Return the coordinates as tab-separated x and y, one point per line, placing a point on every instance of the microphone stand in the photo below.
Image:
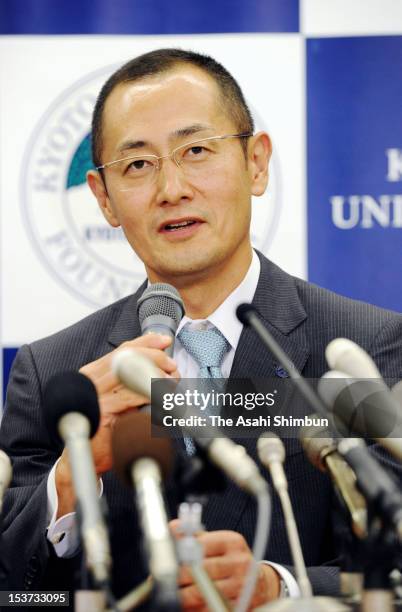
134	598
351	551
190	553
307	602
195	478
381	550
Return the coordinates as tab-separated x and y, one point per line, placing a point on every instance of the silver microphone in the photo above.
272	454
344	355
72	416
6	472
160	310
141	461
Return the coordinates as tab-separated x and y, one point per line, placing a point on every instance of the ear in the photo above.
259	154
98	188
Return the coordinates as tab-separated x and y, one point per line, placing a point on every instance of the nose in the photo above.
172	185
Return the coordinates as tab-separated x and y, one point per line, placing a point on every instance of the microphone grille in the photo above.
160	299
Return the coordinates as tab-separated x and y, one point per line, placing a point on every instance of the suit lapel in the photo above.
127	326
278	303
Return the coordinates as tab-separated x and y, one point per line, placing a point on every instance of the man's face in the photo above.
152	117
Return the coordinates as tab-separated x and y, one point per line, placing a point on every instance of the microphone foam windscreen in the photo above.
160	299
269	447
70	392
131	440
243	312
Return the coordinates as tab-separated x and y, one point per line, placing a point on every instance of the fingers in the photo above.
225	553
158	341
219	568
151	346
119	400
174	526
160	359
230	588
227	560
223	542
229	577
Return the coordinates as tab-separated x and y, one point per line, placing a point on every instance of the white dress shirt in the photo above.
63	532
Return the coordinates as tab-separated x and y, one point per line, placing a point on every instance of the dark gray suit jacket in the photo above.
302	317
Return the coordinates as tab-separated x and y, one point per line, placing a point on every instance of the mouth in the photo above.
180	226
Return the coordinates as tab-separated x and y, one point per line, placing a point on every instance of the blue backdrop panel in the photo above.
147	16
8	358
354	117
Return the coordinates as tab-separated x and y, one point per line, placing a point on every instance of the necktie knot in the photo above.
207	347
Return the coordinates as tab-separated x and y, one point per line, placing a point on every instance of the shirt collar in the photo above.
224	317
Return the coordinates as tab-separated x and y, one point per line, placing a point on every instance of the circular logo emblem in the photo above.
69	233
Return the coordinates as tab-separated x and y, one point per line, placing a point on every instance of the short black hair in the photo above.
163	60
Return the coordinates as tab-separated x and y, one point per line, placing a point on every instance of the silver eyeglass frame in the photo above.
171	155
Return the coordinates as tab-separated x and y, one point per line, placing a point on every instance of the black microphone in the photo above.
249	316
72	416
160	310
143	461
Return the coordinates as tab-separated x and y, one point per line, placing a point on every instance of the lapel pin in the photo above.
281	372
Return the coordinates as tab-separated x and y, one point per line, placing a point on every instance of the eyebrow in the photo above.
190	130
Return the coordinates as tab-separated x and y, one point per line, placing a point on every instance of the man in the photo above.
177	163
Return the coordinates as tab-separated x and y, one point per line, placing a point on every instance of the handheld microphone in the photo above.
6	472
72	416
160	310
136	372
143	461
272	454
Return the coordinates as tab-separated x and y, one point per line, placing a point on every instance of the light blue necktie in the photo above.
208	348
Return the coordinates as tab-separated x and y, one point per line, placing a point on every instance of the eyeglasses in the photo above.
196	159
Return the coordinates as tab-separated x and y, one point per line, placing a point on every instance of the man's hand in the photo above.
227	559
114	399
